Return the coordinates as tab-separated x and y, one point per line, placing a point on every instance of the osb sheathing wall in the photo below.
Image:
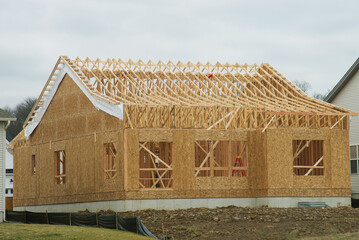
270	162
280	177
73	124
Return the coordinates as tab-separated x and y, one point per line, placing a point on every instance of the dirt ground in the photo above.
250	223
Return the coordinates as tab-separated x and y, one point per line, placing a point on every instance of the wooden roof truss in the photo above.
203	96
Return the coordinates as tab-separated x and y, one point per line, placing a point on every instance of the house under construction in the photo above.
133	135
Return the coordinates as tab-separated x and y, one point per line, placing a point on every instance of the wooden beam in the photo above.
316	164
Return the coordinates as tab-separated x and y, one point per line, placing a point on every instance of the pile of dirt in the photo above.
249	223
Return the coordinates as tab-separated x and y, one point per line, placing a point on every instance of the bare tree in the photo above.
21	111
321	96
303	85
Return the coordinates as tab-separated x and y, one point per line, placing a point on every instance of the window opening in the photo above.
155	164
308	157
221	158
354	159
202	158
109	161
60	159
33	165
239	159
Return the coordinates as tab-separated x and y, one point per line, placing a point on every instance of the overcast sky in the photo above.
314	41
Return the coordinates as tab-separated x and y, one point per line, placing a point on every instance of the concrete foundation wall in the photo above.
172	204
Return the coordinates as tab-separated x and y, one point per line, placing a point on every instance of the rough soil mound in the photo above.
250	223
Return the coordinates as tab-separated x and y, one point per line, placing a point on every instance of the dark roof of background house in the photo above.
9	136
345	79
5	116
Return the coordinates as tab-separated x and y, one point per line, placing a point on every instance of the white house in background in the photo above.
9	174
5	119
346	94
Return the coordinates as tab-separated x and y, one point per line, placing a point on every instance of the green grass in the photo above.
59	232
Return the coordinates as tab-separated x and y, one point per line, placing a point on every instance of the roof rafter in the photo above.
146	86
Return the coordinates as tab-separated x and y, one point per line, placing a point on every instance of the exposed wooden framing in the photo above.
337	122
109	161
315	165
270	121
204	165
33	164
60	167
305	152
296	154
218	158
182	95
222	119
154	155
155	165
128	117
44	91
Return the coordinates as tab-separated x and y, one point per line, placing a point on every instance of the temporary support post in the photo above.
316	164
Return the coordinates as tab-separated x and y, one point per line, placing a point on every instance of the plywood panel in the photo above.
49	130
309	182
18	158
257	160
111	122
24	174
310	134
95	122
85	104
155	135
340	172
239	135
45	170
36	136
309	192
132	153
183	159
202	135
63	128
85	156
279	158
327	157
221	135
56	107
78	125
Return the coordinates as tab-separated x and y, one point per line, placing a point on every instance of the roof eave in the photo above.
343	81
7	119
